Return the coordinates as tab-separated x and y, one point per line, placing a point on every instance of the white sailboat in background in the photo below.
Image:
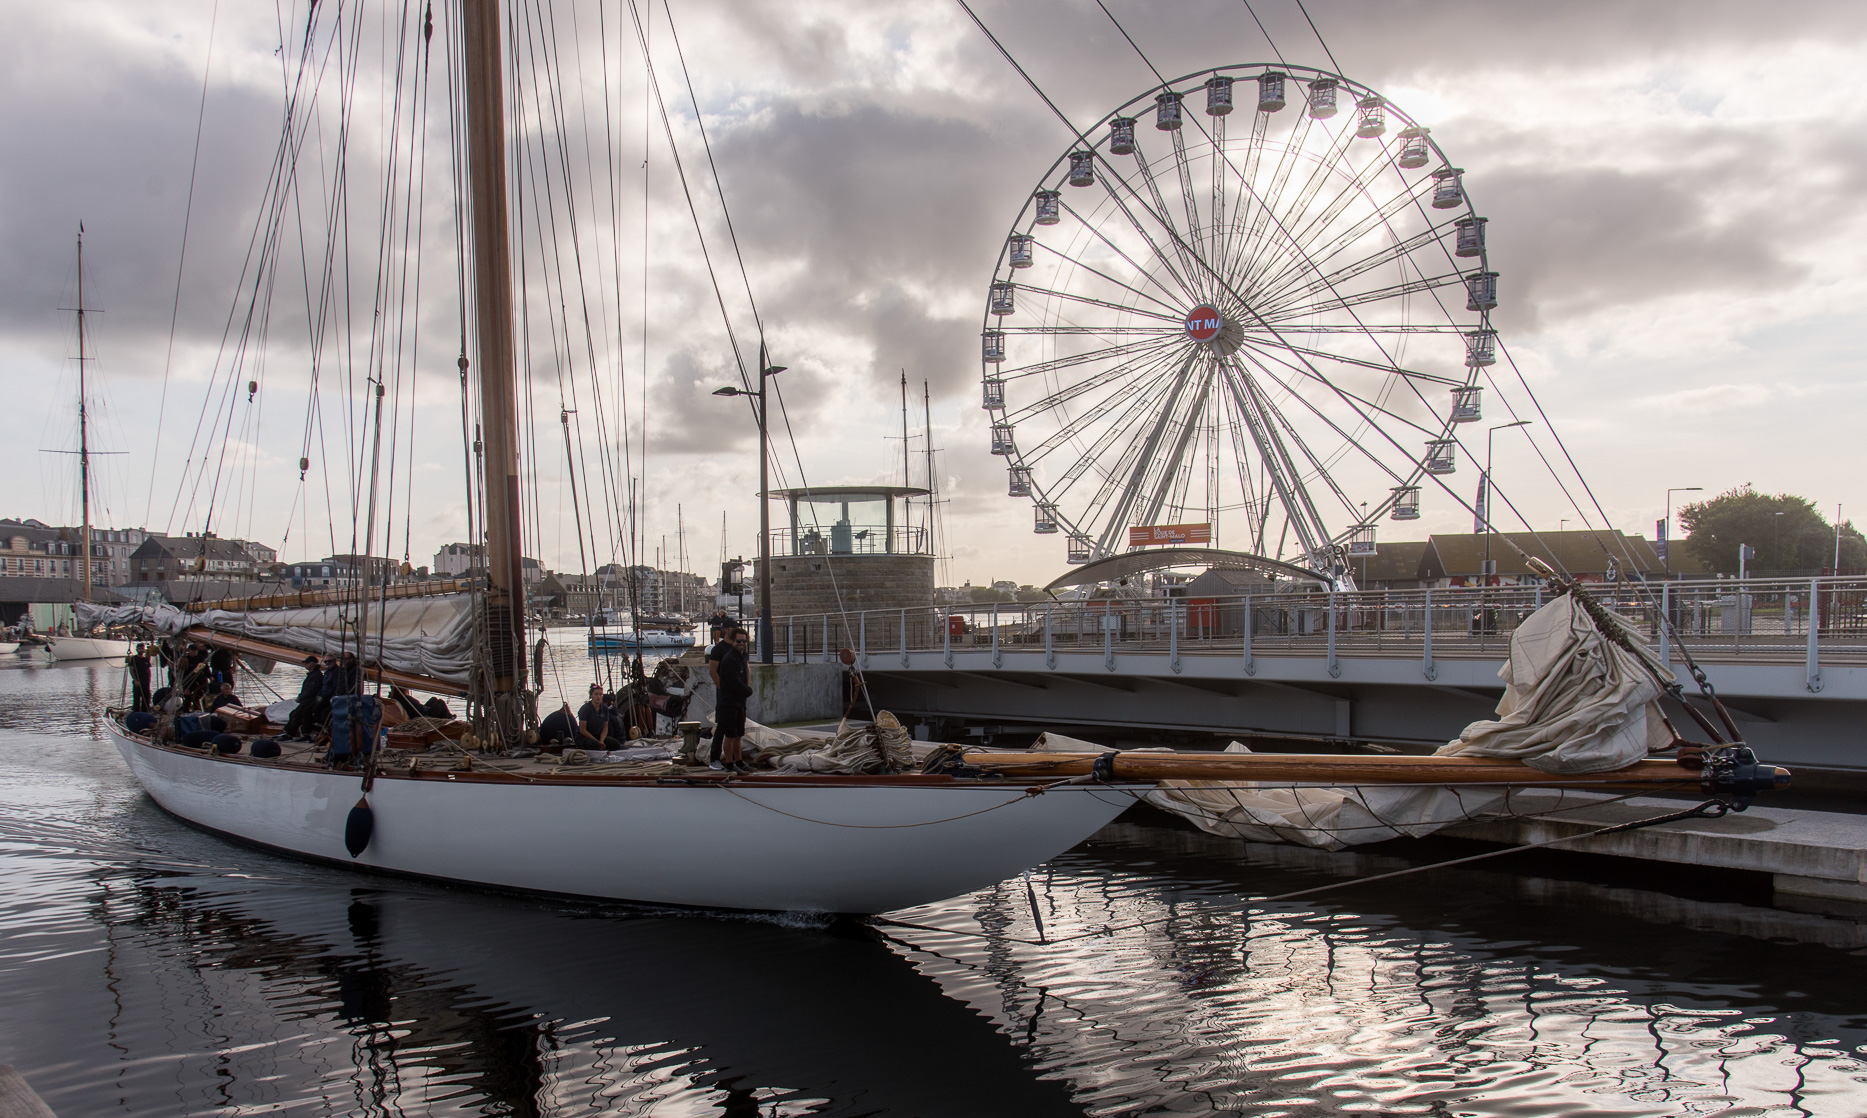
93	646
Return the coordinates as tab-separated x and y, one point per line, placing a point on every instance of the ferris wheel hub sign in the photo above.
1204	322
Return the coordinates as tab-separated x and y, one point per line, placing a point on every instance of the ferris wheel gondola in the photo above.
1275	332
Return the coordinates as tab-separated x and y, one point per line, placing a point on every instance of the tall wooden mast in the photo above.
84	437
492	308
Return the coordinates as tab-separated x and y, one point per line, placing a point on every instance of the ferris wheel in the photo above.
1273	334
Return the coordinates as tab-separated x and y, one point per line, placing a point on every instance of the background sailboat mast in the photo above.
84	436
492	305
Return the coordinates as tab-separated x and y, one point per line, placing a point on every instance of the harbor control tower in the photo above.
845	549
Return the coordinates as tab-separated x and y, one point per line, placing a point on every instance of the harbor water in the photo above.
147	968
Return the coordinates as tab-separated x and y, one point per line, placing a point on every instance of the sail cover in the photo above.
1574	702
429	636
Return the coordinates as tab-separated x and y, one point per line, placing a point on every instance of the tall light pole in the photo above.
764	501
1666	525
1484	491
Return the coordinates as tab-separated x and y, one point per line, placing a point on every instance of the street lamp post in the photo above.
1666	555
764	500
1484	490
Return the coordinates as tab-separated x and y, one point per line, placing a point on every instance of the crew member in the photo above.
299	724
735	688
138	663
594	718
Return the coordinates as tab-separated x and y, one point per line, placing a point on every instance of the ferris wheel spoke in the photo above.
1318	468
1173	308
1286	284
1281	470
1071	427
1354	400
1141	458
1374	328
1297	309
1284	342
1244	197
1268	201
1070	392
1175	244
1188	198
1303	237
1288	222
1216	207
1173	296
1160	212
1155	331
1415	466
1315	256
1255	489
1088	356
1090	300
1170	466
1265	362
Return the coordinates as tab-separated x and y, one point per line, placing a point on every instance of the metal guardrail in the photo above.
850	539
1813	620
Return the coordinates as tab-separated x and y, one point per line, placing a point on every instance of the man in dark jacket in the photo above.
735	688
138	663
300	723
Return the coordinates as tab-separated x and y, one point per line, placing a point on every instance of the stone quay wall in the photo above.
803	585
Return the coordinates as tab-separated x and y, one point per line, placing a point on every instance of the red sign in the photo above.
1203	323
1154	535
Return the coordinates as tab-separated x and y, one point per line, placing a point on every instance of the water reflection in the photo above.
379	998
1466	996
147	968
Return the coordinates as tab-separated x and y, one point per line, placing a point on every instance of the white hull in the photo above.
825	846
88	648
8	646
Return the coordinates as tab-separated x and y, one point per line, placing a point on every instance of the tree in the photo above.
1788	533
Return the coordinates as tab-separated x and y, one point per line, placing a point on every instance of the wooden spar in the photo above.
252	646
492	309
1324	768
304	599
84	435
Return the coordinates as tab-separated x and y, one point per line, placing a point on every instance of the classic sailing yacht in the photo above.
84	647
898	833
837	843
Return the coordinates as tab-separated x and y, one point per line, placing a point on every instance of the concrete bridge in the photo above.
1406	667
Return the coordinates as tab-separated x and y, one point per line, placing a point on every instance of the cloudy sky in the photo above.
1675	194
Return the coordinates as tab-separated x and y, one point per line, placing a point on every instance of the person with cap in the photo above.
298	726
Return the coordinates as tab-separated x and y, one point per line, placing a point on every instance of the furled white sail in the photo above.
1574	702
428	636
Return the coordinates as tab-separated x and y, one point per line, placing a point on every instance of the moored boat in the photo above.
829	843
86	648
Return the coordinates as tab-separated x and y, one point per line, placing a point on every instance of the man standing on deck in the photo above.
722	644
735	688
138	663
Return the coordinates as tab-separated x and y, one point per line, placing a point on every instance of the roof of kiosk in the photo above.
845	492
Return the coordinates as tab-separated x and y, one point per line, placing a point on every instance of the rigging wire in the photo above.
1333	64
181	261
1267	35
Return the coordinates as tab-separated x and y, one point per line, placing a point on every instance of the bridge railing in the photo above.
1723	619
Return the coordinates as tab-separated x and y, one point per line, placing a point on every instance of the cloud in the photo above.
1665	203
